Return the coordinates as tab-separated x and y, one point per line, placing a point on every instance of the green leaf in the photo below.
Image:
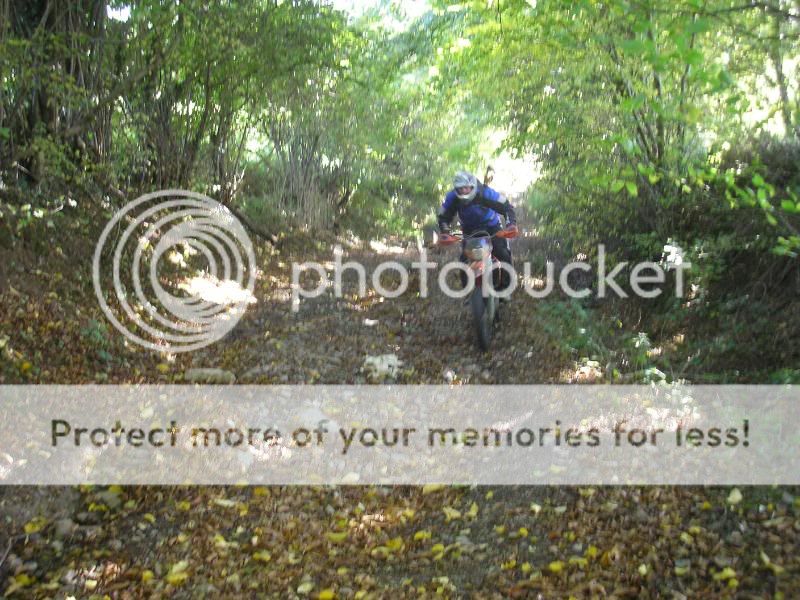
789	206
617	185
698	26
632	104
633	191
693	57
634	47
724	79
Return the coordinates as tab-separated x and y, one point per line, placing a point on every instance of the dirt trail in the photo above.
327	339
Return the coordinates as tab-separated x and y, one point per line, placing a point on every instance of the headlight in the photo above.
478	253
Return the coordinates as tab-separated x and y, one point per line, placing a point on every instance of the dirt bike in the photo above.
485	306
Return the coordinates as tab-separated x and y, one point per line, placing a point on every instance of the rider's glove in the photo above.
511	231
445	239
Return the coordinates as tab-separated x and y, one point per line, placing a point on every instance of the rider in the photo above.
479	208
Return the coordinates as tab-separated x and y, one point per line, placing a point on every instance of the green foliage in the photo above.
95	335
573	325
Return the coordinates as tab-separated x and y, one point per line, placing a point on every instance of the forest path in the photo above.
359	541
326	339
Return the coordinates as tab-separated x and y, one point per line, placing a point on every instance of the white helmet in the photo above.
464	179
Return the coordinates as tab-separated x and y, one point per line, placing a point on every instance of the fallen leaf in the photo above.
735	496
395	544
682	567
422	534
177	574
579	561
336	537
17	583
451	513
35	525
305	588
726	573
507	566
556	567
776	569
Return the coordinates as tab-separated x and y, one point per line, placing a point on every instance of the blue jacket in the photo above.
483	212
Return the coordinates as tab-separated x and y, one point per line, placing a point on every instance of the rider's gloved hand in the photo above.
511	231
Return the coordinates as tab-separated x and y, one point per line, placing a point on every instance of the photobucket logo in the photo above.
199	308
646	279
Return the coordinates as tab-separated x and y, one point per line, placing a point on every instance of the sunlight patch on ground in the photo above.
588	372
211	289
537	283
383	365
383	248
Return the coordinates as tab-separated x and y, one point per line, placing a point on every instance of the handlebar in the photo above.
446	239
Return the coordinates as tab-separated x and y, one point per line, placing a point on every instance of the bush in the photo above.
730	215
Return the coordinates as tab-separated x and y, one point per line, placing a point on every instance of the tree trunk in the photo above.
776	55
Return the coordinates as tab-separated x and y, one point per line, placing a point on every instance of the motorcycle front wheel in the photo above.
482	314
